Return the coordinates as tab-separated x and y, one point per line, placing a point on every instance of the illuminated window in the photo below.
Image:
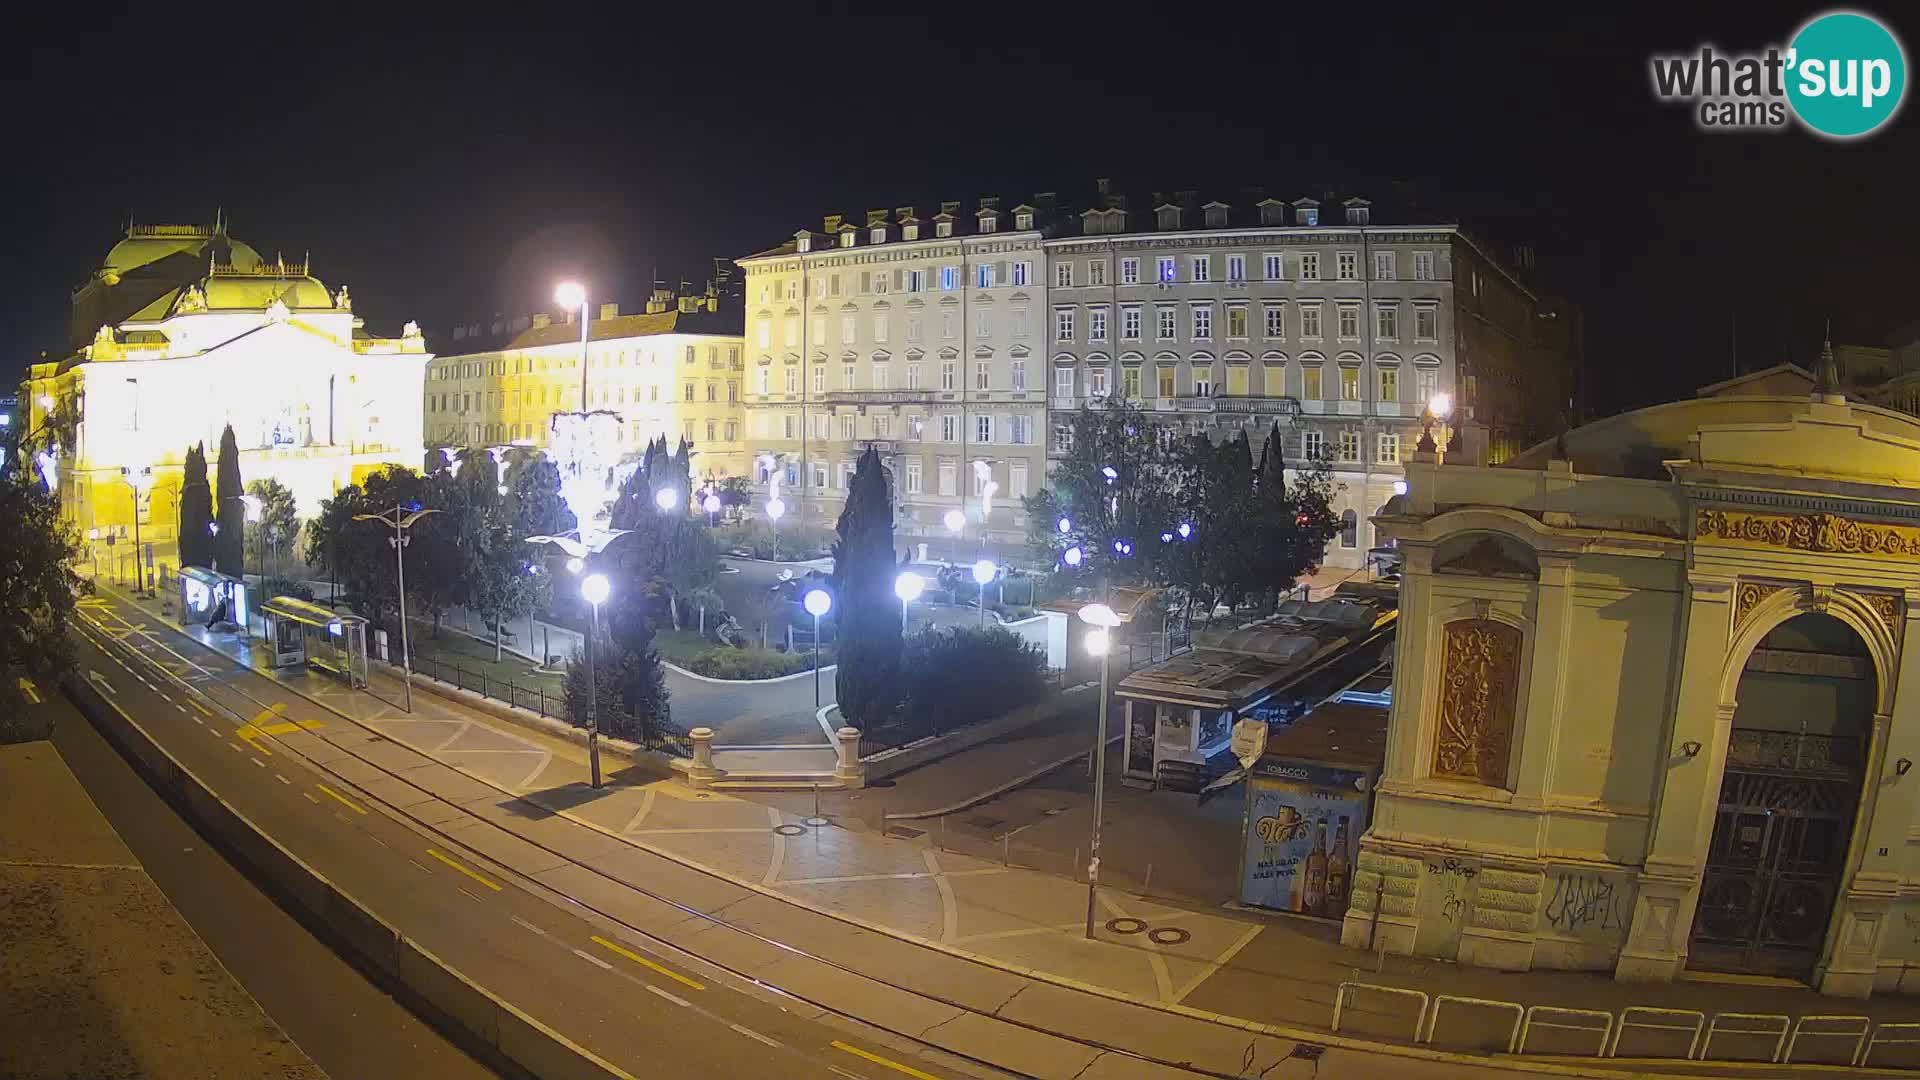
1349	446
1168	272
1203	382
983	276
949	278
1236	268
1130	383
1310	383
1020	270
1237	321
1350	386
1389	384
1097	381
1163	378
1387	448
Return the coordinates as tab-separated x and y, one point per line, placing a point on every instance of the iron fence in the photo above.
659	735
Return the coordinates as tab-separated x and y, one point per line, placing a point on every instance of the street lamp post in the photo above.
817	602
572	294
402	519
983	572
93	549
140	481
908	587
594	589
775	508
1099	643
956	521
711	504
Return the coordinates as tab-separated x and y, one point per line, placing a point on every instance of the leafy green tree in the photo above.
961	674
196	510
229	555
534	504
867	613
693	564
1131	508
628	689
37	583
279	518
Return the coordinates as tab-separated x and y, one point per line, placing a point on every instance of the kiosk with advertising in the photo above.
1309	797
208	597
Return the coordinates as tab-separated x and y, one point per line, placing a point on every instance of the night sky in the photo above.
449	171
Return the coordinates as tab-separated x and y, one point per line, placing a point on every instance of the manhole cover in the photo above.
903	832
1126	925
789	830
1168	935
816	822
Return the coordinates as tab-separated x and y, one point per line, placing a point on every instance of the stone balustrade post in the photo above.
848	768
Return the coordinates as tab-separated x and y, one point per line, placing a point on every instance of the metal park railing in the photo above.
536	698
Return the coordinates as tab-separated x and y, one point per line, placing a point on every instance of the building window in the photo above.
916	281
733	390
983	324
1309	266
793	380
1165	328
763	332
1020	430
1163	381
983	276
847	429
848	377
1097	382
1271	267
1097	324
1308	215
949	478
913	329
1310	383
1062	439
1237	321
733	431
949	278
1347	266
1203	382
1426	323
1387	448
949	427
1202	322
1063	324
1423	266
1130	323
1168	272
913	376
1349	447
1063	274
948	323
1202	267
792	337
1017	478
983	428
713	392
1096	272
1349	525
712	426
1349	315
1017	375
982	375
1389	384
1313	446
1063	382
1020	270
1129	271
1386	322
1130	383
1383	266
880	376
881	328
948	376
1276	324
1310	321
913	476
1425	385
689	394
1236	268
819	378
1350	384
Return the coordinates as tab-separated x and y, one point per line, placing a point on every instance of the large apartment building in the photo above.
919	336
958	343
674	369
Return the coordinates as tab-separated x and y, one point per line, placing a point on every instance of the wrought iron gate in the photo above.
1778	852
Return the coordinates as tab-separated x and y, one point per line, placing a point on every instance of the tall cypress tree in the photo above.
196	510
866	611
229	545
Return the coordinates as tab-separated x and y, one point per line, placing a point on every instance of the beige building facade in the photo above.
1651	699
674	370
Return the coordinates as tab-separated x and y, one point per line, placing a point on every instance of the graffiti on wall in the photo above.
1581	903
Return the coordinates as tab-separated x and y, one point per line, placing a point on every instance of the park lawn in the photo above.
474	656
681	646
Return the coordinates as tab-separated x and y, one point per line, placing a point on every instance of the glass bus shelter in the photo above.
299	632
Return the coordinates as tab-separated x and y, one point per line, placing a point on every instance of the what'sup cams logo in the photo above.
1843	76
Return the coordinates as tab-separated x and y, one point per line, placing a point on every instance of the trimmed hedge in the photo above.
724	663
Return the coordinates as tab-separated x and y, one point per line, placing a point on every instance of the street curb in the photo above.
745	682
493	1027
1018	781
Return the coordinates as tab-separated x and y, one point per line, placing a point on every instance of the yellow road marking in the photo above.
203	709
250	733
32	691
463	870
341	799
644	962
878	1060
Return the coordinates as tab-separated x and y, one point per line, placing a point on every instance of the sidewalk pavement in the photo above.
1224	965
102	977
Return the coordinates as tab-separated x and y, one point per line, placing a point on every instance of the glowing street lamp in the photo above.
666	499
594	589
983	572
817	602
775	509
141	480
1065	525
1099	643
571	295
908	587
1073	556
1439	408
711	504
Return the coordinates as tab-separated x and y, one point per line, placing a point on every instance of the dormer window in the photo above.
1023	221
1359	211
1167	217
943	228
803	243
1273	213
989	223
846	239
878	236
1216	216
1309	215
909	232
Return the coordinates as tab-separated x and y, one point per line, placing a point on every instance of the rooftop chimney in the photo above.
609	311
832	223
542	320
1103	185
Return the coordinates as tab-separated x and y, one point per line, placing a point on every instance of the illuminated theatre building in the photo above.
183	330
1654	710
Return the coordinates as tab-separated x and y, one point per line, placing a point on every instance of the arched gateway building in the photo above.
1654	706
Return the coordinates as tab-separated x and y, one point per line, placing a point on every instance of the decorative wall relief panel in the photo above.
1479	683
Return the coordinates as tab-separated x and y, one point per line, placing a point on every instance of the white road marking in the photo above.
309	797
421	866
379	841
342	817
260	763
237	748
754	1035
527	925
469	895
596	961
283	779
652	989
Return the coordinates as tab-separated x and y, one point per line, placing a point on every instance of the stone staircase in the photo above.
774	767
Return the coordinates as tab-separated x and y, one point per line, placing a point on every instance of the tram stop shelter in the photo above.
208	597
302	633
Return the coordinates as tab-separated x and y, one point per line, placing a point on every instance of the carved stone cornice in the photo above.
1819	533
1748	596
